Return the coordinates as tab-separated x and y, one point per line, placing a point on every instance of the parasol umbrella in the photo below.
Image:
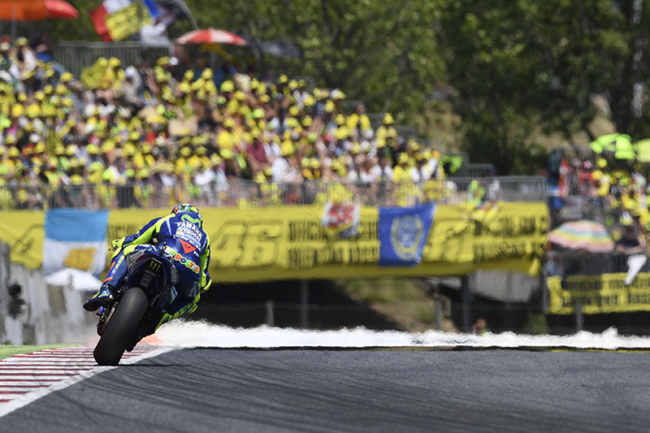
36	10
618	145
583	235
211	36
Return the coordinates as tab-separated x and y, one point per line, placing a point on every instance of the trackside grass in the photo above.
6	350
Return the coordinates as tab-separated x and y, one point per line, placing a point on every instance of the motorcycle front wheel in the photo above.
121	327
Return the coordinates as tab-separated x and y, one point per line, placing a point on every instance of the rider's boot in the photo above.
106	294
103	298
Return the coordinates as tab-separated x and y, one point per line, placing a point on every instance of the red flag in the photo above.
98	17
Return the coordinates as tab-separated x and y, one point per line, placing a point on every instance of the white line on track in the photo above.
39	374
26	378
16	388
42	370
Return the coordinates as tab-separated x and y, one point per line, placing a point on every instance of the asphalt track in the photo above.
221	390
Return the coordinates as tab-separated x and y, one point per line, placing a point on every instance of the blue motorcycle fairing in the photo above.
151	271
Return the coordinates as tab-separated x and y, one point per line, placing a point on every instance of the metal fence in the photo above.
244	194
77	55
570	262
479	170
376	119
503	286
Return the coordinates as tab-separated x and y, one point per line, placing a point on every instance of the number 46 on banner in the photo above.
252	244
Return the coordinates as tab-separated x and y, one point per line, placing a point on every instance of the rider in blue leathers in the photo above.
187	247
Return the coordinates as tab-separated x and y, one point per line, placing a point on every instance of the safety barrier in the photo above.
243	194
35	312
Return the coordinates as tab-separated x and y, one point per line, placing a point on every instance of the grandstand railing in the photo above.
596	209
571	262
77	55
244	194
479	170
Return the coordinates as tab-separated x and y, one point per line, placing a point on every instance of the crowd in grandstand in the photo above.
617	193
185	130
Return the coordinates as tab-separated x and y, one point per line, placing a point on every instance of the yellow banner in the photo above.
599	294
24	231
127	21
250	245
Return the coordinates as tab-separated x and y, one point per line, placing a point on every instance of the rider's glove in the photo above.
117	244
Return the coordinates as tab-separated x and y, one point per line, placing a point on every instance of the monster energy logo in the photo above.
154	265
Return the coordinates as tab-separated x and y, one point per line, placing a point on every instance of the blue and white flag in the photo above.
403	233
75	239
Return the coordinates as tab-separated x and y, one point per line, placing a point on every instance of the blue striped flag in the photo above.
75	239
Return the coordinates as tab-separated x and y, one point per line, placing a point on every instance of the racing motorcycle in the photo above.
139	299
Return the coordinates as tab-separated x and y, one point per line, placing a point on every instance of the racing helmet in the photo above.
189	213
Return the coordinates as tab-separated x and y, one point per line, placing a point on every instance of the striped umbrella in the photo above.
582	235
211	36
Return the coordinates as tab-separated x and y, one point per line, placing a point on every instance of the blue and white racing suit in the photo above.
187	247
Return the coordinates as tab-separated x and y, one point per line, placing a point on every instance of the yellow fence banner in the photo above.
249	245
24	232
597	294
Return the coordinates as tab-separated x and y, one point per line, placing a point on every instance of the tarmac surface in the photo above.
324	390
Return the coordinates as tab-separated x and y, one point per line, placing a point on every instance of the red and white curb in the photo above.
28	377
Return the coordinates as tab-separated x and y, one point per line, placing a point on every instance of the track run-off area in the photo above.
196	377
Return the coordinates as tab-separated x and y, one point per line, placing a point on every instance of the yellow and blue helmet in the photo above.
192	212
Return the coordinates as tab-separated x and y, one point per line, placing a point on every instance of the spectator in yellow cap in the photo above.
226	138
401	173
25	57
66	77
358	121
386	130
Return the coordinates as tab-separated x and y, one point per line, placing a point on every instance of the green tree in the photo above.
380	52
80	29
521	64
489	63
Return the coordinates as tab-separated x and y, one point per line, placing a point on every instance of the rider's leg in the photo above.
104	296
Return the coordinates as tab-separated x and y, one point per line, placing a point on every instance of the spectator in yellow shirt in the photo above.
226	139
359	120
402	172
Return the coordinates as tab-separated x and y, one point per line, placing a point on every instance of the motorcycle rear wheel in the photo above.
121	328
